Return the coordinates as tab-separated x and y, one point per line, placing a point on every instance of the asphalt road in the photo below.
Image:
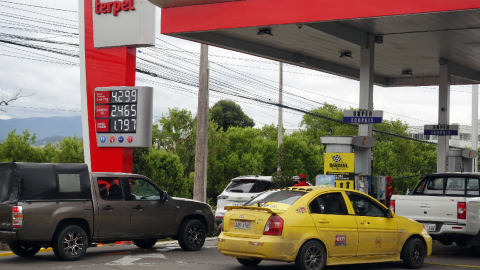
170	256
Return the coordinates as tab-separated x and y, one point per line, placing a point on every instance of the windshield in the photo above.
281	199
248	186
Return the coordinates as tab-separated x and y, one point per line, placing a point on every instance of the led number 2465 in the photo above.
118	110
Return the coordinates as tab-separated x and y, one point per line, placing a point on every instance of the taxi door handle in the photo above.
363	222
323	221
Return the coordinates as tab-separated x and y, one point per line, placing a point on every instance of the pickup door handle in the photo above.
323	221
108	208
138	207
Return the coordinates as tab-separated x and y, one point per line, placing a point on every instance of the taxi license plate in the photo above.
243	225
430	227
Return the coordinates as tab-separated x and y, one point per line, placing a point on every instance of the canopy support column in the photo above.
363	157
443	115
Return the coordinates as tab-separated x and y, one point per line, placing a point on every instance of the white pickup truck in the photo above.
448	206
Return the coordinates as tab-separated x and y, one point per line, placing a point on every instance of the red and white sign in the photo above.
102	97
102	125
114	6
102	111
112	139
123	23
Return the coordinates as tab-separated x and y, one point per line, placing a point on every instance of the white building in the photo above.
464	138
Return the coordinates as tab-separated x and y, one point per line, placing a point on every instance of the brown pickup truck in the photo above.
65	207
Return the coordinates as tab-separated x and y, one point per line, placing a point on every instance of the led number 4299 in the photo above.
121	96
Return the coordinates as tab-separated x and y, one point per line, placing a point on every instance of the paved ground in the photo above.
170	256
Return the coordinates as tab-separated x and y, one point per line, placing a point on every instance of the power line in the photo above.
39	6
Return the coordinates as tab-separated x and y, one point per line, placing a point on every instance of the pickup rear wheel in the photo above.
413	253
145	243
24	249
70	243
191	235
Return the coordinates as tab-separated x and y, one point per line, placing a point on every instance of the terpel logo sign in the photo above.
114	6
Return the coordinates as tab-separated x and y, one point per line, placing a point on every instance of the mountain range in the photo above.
44	127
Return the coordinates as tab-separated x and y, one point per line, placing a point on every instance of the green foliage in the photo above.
227	113
165	169
18	148
70	150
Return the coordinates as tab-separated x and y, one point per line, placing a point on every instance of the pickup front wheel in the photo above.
191	235
70	243
25	249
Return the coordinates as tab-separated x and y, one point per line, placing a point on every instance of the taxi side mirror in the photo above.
389	213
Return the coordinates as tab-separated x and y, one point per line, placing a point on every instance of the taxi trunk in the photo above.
255	233
245	223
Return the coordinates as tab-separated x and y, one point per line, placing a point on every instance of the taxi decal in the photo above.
340	239
378	242
301	210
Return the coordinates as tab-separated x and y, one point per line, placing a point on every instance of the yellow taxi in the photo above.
318	226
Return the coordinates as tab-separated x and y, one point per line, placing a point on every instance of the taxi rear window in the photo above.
281	199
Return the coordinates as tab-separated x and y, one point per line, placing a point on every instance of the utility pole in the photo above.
280	109
201	148
475	125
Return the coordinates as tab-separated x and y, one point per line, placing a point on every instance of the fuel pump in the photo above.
361	183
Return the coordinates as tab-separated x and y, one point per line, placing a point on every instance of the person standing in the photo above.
302	181
389	190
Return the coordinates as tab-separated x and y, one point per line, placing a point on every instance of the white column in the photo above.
443	115
363	156
83	85
475	125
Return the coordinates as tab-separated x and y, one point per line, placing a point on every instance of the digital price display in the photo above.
123	116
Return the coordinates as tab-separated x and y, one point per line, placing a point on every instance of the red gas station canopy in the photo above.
313	34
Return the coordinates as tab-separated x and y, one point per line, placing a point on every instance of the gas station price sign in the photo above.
123	116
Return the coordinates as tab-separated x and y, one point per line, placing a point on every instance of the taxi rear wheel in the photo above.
248	262
413	253
311	256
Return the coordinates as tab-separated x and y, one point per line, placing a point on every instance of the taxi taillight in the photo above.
392	205
17	217
274	226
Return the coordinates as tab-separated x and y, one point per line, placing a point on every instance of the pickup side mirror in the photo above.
163	196
389	213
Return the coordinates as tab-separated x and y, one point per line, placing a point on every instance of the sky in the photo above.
53	89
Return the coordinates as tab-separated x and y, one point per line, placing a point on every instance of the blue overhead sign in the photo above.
363	117
441	130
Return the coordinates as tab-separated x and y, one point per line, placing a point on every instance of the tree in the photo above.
165	169
6	99
227	113
71	150
18	148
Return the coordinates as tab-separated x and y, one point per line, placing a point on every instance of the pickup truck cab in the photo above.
448	206
65	207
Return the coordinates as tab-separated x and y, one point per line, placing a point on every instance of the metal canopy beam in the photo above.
278	55
461	71
343	32
424	81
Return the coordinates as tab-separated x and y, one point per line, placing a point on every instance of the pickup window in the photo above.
448	185
110	188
